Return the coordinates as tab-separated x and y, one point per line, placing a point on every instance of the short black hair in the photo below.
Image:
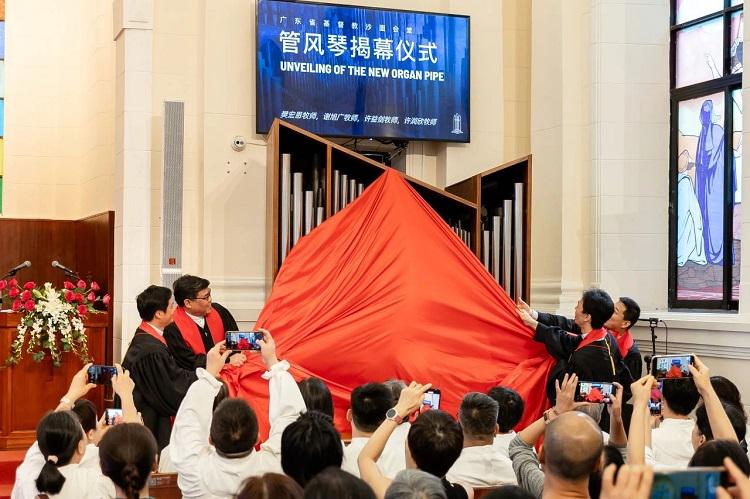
478	415
316	395
396	386
736	417
370	402
270	486
86	412
187	287
728	392
127	454
310	445
509	492
510	407
632	311
151	300
680	394
234	428
334	482
598	304
713	452
435	441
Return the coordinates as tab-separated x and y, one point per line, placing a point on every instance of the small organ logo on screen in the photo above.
457	124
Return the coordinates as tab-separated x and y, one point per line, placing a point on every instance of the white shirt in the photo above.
390	462
165	462
201	321
671	443
83	480
482	466
201	472
502	440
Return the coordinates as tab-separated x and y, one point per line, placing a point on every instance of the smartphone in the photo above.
595	392
699	483
243	340
112	416
102	375
432	398
672	366
654	402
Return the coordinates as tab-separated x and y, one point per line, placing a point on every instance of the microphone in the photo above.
66	270
18	267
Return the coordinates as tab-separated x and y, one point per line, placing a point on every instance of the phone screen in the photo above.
671	366
432	398
654	402
595	392
112	416
243	340
699	483
102	375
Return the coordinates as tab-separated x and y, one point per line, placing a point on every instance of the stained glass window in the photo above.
706	154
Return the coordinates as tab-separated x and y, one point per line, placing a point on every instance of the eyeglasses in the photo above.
207	297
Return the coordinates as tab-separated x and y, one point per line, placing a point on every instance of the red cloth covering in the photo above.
594	335
192	334
384	289
149	329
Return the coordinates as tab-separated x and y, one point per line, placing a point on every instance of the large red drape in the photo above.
385	289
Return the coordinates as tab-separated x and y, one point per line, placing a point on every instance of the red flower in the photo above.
3	285
81	284
91	296
29	305
16	305
106	299
13	292
13	283
82	309
68	285
69	296
95	286
26	295
29	285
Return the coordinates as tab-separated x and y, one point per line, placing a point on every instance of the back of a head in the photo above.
86	412
599	305
712	453
594	411
58	435
270	486
187	287
221	395
234	428
572	446
510	407
395	386
370	402
151	300
435	441
727	391
316	395
509	492
632	311
736	417
310	445
415	484
478	415
127	454
334	482
681	395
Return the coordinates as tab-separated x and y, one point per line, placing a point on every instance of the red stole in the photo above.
594	335
625	342
149	329
192	335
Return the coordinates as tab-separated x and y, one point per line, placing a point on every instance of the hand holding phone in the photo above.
654	403
101	375
594	392
243	340
112	416
432	399
672	366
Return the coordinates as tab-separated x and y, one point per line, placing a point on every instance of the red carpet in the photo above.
9	461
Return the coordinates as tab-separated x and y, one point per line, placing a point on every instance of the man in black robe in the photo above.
160	384
581	346
198	324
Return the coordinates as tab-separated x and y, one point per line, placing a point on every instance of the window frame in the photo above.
726	84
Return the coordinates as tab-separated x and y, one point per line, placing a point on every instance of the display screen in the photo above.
595	392
362	72
666	367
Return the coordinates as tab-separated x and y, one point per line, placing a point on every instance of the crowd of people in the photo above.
177	417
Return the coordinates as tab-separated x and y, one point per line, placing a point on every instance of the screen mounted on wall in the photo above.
347	71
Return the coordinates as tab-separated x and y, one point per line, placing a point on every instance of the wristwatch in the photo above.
392	415
68	402
550	415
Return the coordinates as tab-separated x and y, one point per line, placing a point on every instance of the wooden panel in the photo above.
163	486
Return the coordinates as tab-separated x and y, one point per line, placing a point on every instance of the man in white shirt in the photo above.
671	441
480	463
213	452
510	408
369	403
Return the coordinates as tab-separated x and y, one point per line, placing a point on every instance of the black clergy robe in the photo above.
160	384
184	355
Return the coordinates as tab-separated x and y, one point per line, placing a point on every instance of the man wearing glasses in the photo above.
198	324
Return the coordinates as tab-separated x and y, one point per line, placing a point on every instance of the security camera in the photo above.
238	143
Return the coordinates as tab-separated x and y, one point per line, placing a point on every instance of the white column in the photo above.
133	34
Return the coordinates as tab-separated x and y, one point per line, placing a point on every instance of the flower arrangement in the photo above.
53	318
